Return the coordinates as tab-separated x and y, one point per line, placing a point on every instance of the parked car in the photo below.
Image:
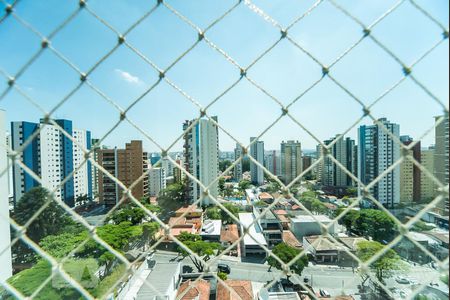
306	280
324	294
402	280
223	268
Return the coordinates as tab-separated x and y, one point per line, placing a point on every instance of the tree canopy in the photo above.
52	220
286	254
202	248
383	266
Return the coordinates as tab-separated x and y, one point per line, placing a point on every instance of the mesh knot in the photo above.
120	39
284	111
244	151
445	35
243	72
83	77
44	43
325	71
366	32
366	111
123	115
406	70
11	81
162	74
164	154
8	9
202	113
82	3
283	33
201	36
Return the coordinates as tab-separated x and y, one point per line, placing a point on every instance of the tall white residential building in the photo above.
238	167
291	160
427	185
157	181
5	234
376	153
201	146
343	150
53	157
257	152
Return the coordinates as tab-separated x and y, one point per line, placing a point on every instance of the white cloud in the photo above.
128	77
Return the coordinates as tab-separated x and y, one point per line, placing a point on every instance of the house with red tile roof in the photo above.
190	290
235	290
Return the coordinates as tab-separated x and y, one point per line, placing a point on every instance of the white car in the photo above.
402	280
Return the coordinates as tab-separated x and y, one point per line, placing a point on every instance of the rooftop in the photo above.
229	233
211	227
199	291
254	236
265	196
242	288
158	281
320	243
352	242
290	239
442	237
310	219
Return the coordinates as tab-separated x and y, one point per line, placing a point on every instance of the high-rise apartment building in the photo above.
257	152
441	157
343	150
409	173
376	153
427	185
157	181
238	167
272	162
178	175
291	160
94	171
5	234
128	166
201	152
52	156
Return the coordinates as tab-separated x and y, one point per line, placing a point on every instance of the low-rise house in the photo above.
211	230
228	236
252	241
161	282
270	224
283	217
325	251
266	197
290	239
306	225
194	290
408	250
191	211
235	290
440	250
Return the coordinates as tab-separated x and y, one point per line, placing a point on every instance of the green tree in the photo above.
221	185
222	275
203	249
213	213
348	220
52	220
233	209
286	254
383	266
244	184
224	164
376	224
318	207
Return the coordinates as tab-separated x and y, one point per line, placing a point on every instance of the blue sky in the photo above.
285	72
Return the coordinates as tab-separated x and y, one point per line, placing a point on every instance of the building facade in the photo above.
343	150
52	156
377	151
238	167
5	234
441	157
128	166
201	152
257	152
291	160
157	181
427	185
272	162
409	173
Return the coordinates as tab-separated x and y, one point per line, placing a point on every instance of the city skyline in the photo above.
285	73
